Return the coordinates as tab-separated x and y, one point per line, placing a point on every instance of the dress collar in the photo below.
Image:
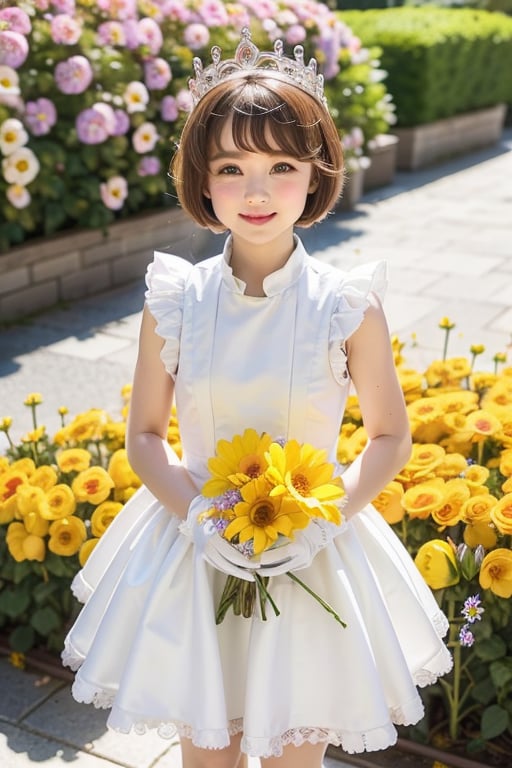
277	281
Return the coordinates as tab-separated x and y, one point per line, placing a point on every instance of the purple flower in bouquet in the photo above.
169	109
196	36
13	49
114	192
157	74
149	166
74	75
111	33
40	116
16	19
65	30
91	126
150	35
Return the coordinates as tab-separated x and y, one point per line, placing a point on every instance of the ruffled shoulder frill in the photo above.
352	302
166	278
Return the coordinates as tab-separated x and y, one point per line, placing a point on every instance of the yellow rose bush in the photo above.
58	496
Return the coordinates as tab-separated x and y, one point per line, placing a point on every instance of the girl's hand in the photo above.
300	552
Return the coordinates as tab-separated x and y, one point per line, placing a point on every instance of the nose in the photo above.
256	190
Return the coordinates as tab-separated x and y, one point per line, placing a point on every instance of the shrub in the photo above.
440	62
93	95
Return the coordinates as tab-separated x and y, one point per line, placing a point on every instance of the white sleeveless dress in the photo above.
146	643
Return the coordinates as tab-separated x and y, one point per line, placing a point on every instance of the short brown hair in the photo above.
263	105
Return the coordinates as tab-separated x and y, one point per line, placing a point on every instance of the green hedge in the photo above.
440	62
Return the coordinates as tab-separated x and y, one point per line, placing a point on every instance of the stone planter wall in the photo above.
423	145
74	264
382	153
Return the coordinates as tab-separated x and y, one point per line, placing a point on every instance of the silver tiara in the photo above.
247	57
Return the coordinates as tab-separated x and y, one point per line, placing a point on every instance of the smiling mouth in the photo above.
257	218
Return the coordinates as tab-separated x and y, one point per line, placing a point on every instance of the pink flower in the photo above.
157	74
9	81
108	115
64	6
213	13
169	109
145	138
91	126
150	35
184	100
131	34
196	36
175	10
119	9
65	30
40	116
16	19
13	49
114	192
74	75
111	33
295	34
122	124
149	166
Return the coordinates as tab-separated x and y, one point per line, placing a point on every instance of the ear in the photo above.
206	193
315	181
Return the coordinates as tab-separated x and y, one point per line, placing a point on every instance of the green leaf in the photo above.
492	649
501	672
22	639
484	691
45	620
14	602
494	721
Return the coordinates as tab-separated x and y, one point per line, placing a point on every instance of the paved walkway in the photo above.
446	233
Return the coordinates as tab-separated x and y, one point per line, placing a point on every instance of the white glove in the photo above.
300	552
212	547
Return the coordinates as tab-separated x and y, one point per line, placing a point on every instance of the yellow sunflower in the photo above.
261	518
303	472
237	462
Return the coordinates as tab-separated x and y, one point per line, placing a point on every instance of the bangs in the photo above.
261	120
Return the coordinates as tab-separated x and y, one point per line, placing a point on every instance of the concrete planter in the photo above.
424	145
352	190
382	152
74	264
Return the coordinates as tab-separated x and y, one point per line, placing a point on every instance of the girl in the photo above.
261	336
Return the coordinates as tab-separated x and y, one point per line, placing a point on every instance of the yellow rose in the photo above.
85	550
44	477
477	509
103	516
423	460
120	470
23	545
420	500
31	498
480	533
496	572
456	493
437	564
475	476
506	462
459	401
428	433
73	460
35	524
26	466
67	536
424	410
501	514
93	485
388	502
411	383
482	424
506	487
8	510
453	465
61	502
87	426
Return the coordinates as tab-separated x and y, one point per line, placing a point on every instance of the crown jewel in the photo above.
248	57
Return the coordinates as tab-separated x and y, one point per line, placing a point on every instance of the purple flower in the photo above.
472	610
466	637
196	36
16	19
169	109
175	10
228	500
157	74
40	116
111	33
91	126
64	6
295	34
65	30
119	9
122	123
184	100
131	34
149	166
150	35
13	49
74	75
213	13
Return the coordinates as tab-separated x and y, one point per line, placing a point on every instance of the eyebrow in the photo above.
237	155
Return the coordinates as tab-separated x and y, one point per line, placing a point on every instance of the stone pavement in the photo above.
446	233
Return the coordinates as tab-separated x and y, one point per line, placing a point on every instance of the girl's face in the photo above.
257	196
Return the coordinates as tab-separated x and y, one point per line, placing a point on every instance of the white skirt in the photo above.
146	643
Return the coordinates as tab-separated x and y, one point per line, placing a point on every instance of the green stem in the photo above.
325	605
454	697
264	595
445	347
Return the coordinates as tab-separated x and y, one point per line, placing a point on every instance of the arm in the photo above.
372	369
149	454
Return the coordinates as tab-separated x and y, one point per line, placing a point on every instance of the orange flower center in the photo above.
91	486
64	537
301	484
423	499
11	486
251	466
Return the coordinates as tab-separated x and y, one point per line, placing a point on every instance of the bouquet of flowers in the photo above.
263	491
